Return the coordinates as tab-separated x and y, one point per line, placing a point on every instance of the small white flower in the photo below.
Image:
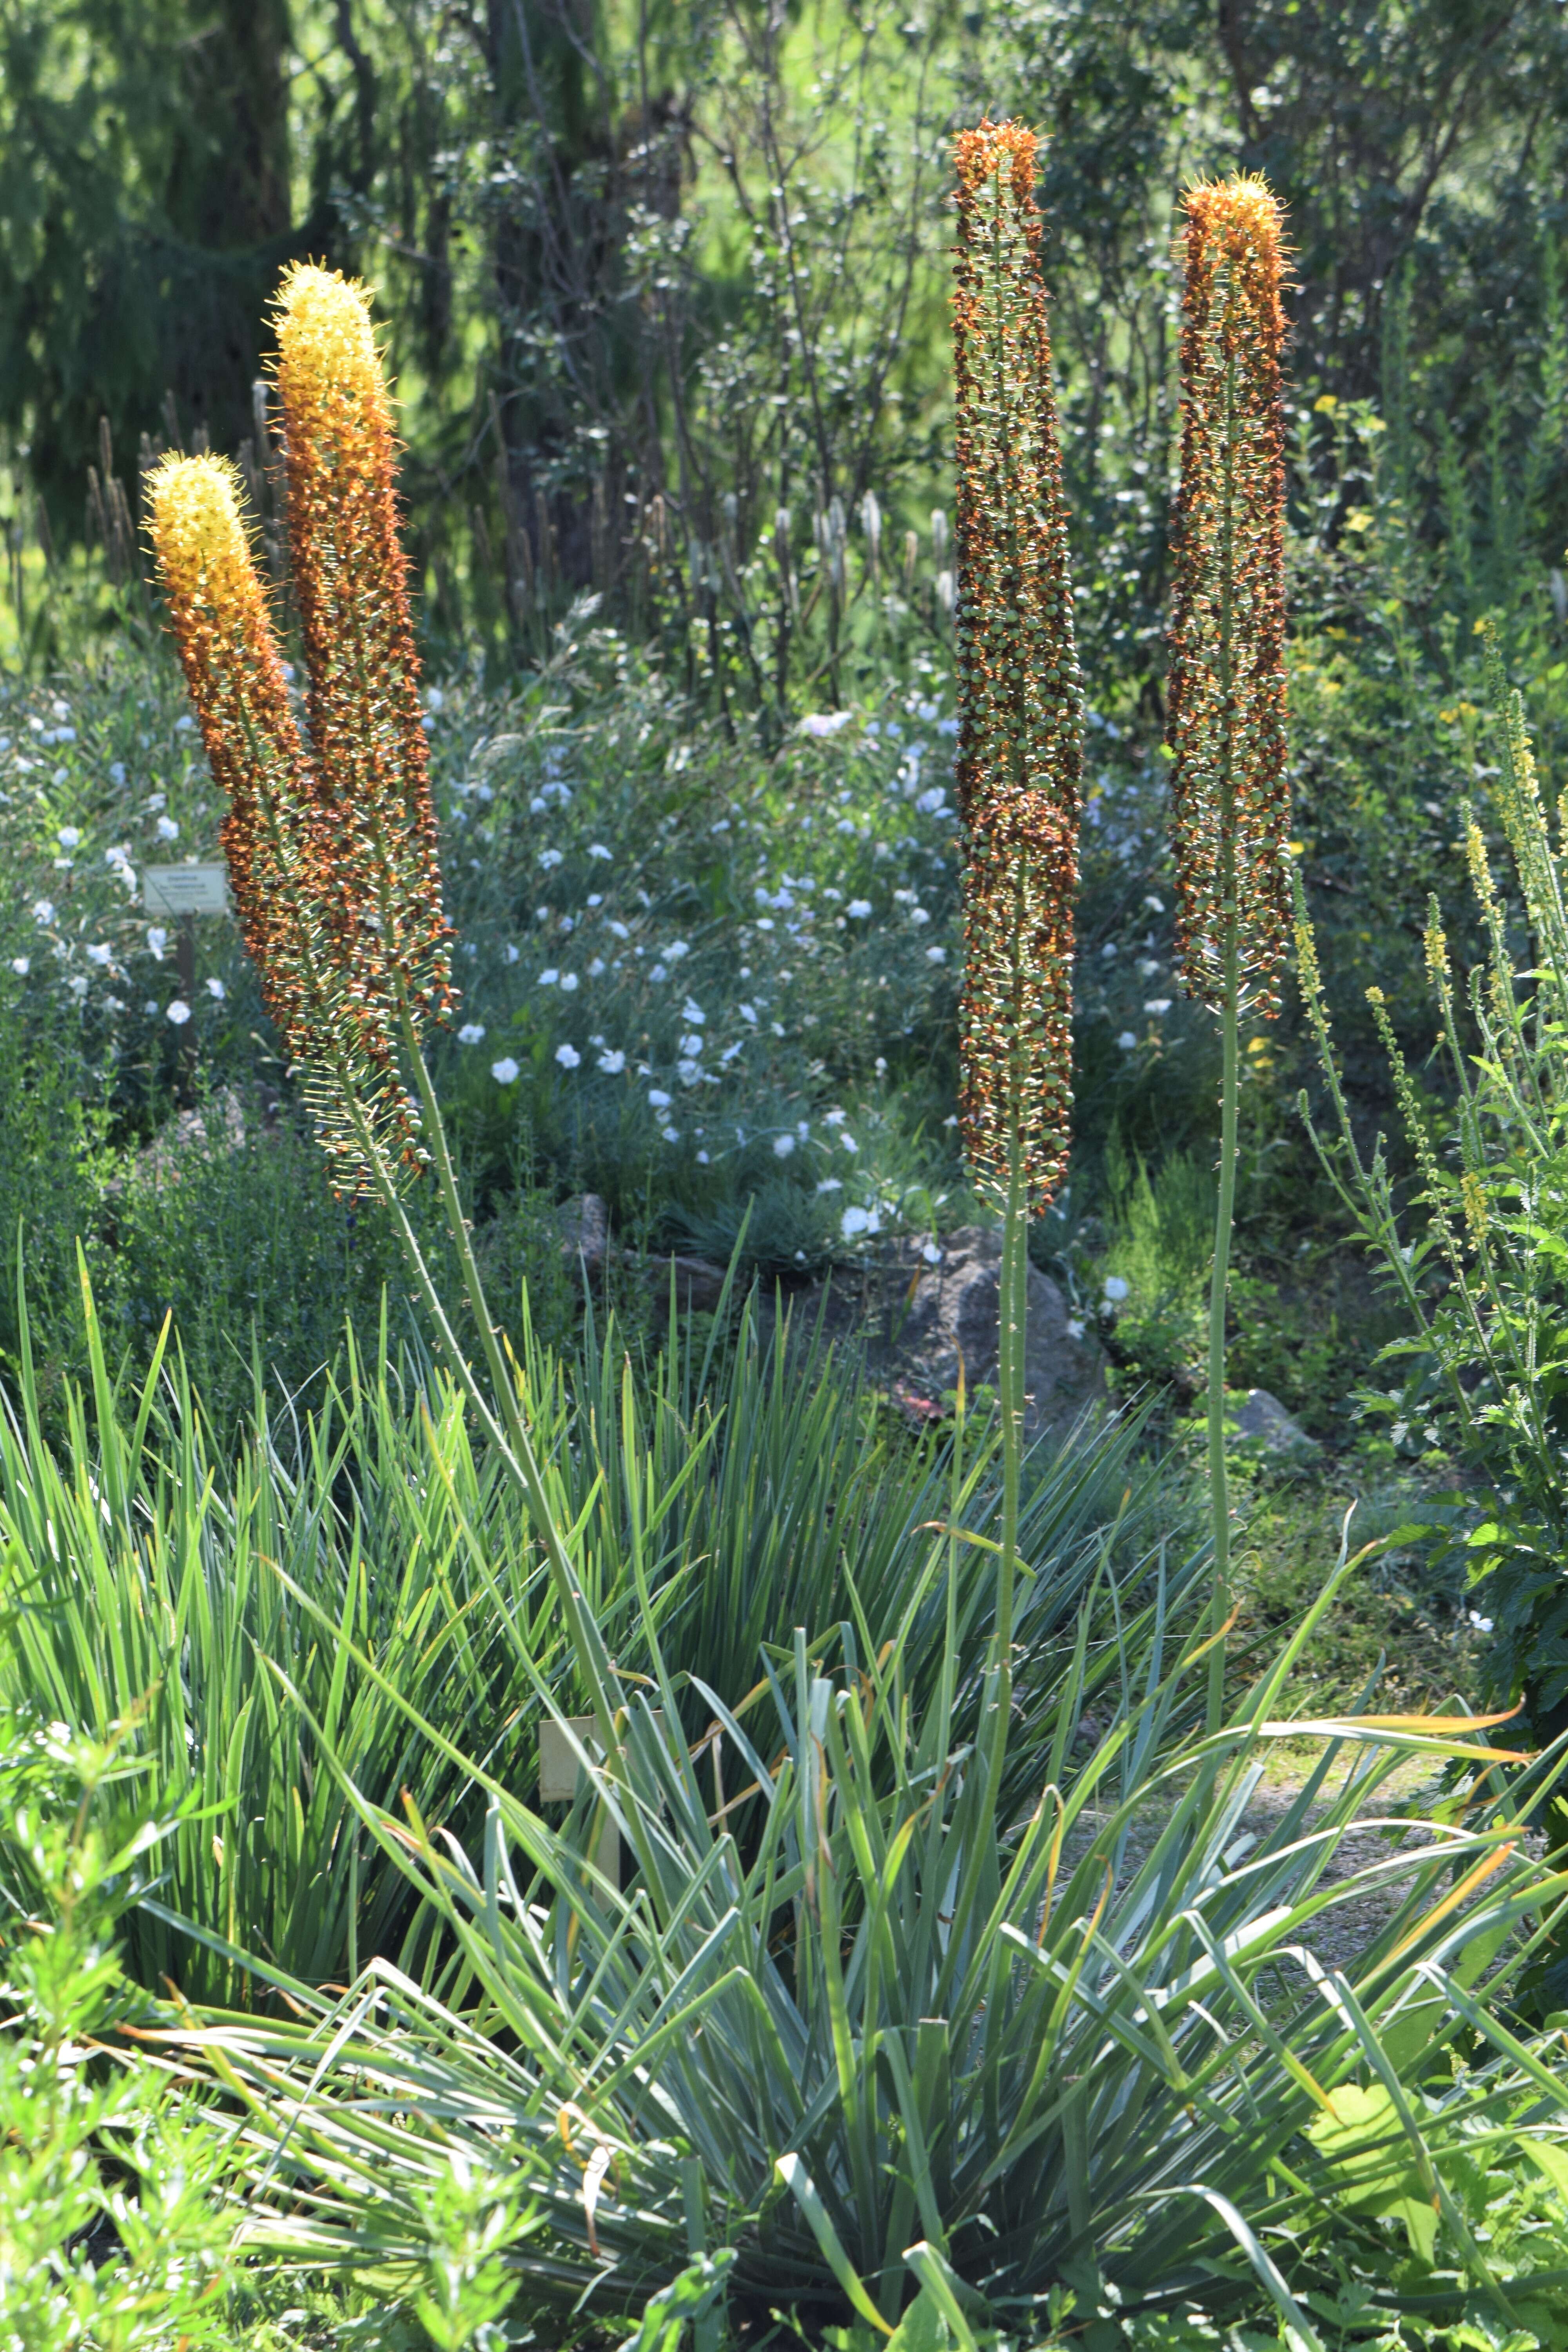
513	954
670	1134
1156	905
549	857
830	1184
782	1146
701	1157
1147	966
1127	1041
151	1008
536	807
117	772
505	1072
1075	1327
43	910
101	954
614	1063
689	1072
1483	1624
216	989
936	955
777	1028
1157	1005
471	1033
919	915
932	1254
179	1013
595	897
21	966
848	1143
157	800
859	909
619	931
568	983
676	949
598	849
596	967
168	829
183	726
78	986
821	723
1116	1288
157	940
691	1044
568	1056
659	1100
549	976
434	698
749	1014
859	1221
691	1011
730	1051
68	836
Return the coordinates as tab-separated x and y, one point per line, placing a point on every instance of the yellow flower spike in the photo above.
351	582
274	834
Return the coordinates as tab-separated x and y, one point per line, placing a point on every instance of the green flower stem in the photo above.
1230	1024
508	1433
1219	1476
1012	1310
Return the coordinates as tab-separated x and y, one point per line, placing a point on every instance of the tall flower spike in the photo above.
1230	801
1020	745
278	849
351	582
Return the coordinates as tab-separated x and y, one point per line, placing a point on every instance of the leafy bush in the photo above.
912	2037
152	1580
1480	1376
115	2212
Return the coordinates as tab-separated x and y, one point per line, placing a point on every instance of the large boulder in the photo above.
926	1305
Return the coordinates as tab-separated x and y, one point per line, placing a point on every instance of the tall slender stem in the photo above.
517	1450
1220	1478
1230	1023
1013	1299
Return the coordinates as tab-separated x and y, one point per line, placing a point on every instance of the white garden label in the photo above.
185	890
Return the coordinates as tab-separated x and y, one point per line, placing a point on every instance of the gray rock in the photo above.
920	1318
697	1283
584	1225
1264	1423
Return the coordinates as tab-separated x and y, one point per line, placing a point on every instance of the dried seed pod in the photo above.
1230	799
350	577
1020	746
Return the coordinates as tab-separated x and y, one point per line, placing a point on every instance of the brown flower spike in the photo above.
331	848
1230	801
1020	745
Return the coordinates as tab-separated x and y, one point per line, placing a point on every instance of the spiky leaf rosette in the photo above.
1230	799
279	848
350	578
1020	744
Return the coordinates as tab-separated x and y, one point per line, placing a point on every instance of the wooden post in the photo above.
560	1773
